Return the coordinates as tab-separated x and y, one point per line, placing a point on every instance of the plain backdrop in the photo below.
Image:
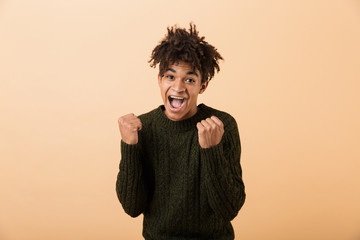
291	78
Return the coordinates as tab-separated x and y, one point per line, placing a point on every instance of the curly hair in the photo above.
182	45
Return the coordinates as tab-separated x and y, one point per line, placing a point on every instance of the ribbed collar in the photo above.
182	125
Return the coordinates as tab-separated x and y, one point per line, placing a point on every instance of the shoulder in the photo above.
227	119
149	115
147	119
231	136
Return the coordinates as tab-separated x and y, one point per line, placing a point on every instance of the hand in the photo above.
210	132
129	126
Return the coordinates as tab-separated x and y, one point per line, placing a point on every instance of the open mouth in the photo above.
176	103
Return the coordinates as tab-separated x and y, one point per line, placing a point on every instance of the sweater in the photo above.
184	191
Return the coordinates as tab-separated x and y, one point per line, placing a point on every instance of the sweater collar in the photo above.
182	125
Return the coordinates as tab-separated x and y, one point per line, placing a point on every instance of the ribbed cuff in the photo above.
211	157
129	156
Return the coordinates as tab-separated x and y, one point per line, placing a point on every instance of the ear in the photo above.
203	87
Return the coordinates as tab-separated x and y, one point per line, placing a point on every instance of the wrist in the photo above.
130	141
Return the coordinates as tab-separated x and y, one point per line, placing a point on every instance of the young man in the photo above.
180	163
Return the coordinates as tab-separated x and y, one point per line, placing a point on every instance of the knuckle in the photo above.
121	120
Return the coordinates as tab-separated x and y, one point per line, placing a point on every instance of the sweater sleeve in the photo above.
223	174
131	185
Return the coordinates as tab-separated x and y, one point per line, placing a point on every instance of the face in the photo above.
180	87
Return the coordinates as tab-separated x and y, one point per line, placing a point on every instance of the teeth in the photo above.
177	97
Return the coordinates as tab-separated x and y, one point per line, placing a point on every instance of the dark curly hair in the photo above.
182	45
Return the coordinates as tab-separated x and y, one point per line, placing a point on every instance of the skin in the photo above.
180	81
210	132
129	125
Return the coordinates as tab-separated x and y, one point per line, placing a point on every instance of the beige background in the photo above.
291	78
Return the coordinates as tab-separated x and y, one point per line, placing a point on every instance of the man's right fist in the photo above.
129	126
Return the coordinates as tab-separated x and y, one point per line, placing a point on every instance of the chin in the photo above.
175	116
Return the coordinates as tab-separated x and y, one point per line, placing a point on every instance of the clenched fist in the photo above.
210	132
129	126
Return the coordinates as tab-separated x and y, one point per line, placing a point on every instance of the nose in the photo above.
178	85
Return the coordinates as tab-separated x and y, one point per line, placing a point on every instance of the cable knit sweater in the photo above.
183	190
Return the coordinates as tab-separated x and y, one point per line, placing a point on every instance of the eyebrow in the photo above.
188	73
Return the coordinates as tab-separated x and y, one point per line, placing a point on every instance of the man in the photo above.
180	163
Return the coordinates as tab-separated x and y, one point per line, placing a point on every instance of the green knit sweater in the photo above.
183	190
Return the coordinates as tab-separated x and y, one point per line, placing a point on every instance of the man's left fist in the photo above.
210	132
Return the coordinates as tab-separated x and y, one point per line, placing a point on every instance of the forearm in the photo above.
223	177
131	185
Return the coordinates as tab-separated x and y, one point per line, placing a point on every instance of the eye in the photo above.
190	80
171	77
